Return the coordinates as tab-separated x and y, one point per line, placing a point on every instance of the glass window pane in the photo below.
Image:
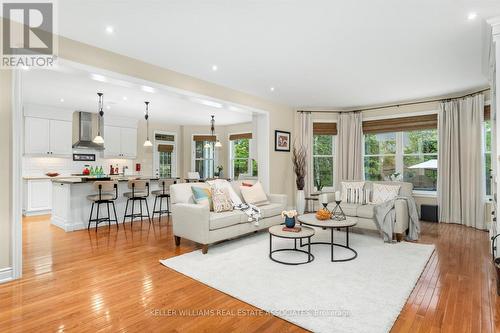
323	171
240	166
241	148
165	167
381	143
199	149
379	167
487	160
487	128
422	179
255	168
322	145
420	142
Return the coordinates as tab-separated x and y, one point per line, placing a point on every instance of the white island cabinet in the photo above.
37	196
71	208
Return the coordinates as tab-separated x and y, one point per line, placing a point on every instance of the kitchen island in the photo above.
71	208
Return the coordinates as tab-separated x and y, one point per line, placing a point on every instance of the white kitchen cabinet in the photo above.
129	142
120	142
37	136
61	137
37	196
47	137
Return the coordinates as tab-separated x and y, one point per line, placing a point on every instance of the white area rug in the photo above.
362	295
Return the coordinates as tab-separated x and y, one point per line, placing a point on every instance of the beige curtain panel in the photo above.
461	189
165	148
211	138
349	154
305	140
240	136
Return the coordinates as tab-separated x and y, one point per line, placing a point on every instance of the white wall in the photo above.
5	167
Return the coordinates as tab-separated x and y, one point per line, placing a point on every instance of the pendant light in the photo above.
99	139
147	143
212	129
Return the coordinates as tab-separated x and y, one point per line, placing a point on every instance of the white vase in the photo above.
300	202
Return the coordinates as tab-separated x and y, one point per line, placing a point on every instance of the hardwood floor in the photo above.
112	281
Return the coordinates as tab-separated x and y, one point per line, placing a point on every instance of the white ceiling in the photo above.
316	53
125	98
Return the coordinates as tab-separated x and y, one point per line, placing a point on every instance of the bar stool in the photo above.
162	193
107	194
140	192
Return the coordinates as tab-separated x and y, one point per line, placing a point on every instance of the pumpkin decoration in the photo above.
323	214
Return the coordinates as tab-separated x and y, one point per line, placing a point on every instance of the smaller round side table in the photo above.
305	232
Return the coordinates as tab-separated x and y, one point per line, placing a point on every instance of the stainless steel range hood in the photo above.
85	128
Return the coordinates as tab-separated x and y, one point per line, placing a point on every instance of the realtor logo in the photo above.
28	34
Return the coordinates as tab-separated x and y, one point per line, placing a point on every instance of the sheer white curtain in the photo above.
305	140
461	189
349	154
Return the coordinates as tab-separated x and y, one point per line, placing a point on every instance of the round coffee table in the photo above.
311	220
277	231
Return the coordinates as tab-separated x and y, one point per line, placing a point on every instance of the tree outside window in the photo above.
487	155
241	163
323	160
418	147
380	156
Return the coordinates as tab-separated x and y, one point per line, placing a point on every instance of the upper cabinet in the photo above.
120	142
47	137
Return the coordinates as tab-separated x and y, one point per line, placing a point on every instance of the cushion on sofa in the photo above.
366	211
384	192
182	193
270	210
254	195
202	196
225	219
222	183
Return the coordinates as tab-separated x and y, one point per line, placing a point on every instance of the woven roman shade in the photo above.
487	112
165	148
211	138
400	124
240	136
325	128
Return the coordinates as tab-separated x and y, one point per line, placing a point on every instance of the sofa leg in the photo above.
399	237
204	248
177	240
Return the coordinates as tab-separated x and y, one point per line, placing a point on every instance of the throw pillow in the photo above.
202	196
254	195
224	184
384	192
221	200
353	192
246	184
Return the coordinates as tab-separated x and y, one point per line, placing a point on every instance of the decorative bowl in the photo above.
323	214
52	174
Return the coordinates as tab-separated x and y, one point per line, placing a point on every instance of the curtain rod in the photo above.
400	104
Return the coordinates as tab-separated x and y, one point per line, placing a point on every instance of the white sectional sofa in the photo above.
197	223
365	214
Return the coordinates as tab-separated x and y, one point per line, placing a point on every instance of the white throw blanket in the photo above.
253	212
385	218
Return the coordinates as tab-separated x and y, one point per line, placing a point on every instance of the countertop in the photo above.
79	180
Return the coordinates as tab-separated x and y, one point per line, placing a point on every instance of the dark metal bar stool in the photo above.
162	193
140	192
107	194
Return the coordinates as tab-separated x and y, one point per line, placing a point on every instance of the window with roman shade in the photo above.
240	158
323	154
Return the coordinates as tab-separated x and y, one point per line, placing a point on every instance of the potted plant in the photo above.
299	159
218	173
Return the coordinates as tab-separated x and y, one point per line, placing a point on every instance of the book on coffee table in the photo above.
294	229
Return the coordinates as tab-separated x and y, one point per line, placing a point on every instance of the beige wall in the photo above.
5	168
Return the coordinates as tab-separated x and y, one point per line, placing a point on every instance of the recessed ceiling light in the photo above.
62	100
148	89
272	88
110	29
471	16
108	107
98	77
215	68
124	98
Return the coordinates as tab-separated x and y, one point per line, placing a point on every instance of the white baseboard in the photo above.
6	274
37	212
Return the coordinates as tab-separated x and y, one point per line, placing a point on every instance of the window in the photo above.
487	154
410	156
204	158
323	160
380	156
420	159
240	161
164	155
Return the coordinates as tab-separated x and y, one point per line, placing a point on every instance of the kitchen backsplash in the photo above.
37	166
